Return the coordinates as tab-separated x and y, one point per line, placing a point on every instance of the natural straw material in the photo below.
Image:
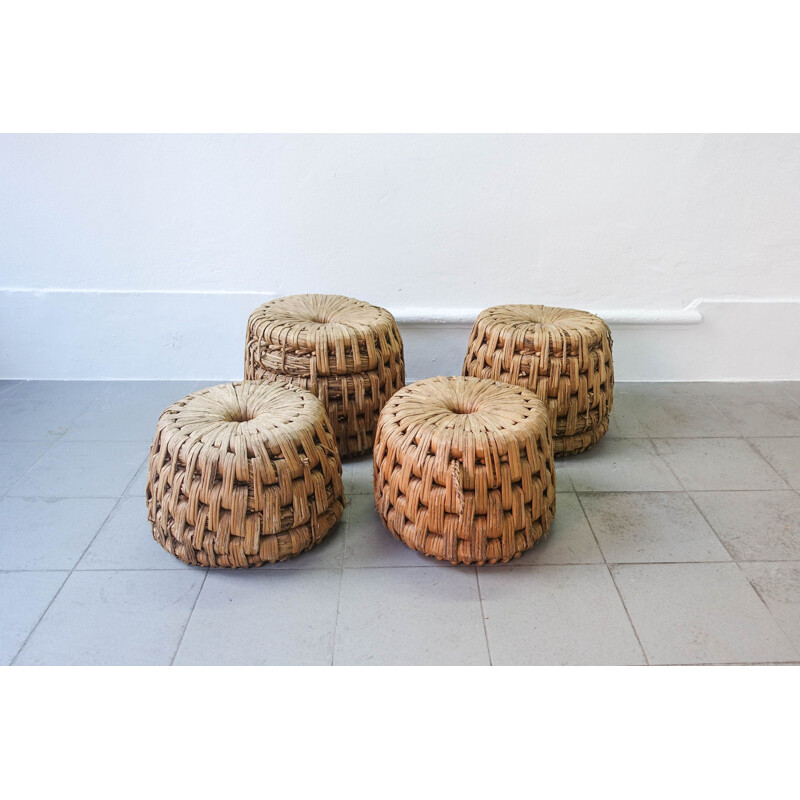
347	352
242	474
464	469
561	354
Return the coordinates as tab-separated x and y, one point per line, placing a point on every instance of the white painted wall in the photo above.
636	227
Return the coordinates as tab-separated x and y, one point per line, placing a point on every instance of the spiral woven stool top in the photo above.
347	352
320	334
243	473
464	469
563	355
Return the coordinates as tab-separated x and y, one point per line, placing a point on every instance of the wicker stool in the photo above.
464	469
243	474
561	354
345	351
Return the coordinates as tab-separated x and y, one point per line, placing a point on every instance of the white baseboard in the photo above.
69	334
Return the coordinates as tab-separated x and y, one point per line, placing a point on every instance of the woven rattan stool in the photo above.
347	352
561	354
464	469
243	474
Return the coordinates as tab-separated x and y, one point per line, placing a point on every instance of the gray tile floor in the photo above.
676	541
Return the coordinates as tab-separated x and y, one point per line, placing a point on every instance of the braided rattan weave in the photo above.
243	474
464	469
561	354
347	352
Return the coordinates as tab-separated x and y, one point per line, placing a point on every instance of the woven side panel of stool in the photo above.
464	470
243	474
562	355
354	401
347	352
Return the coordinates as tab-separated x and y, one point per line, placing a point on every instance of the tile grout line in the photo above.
761	598
483	616
754	451
75	565
628	615
611	575
747	577
697	507
713	529
789	395
71	571
348	510
189	618
107	569
35	462
47	450
755	447
338	605
727	550
8	392
41	617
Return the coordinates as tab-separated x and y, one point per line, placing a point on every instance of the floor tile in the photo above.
621	465
62	391
650	527
126	542
370	544
40	533
779	587
6	387
128	599
623	423
263	617
410	616
24	596
760	409
679	416
755	526
115	618
667	388
700	614
357	476
569	540
136	488
792	388
82	469
556	615
127	411
16	458
710	464
44	410
784	456
563	480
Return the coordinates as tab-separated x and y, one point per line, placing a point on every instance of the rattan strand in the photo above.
463	469
562	355
347	352
243	474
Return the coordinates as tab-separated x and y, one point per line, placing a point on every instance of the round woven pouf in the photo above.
347	352
561	354
464	469
243	474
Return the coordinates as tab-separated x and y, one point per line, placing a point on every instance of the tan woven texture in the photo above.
561	354
243	474
347	352
464	469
